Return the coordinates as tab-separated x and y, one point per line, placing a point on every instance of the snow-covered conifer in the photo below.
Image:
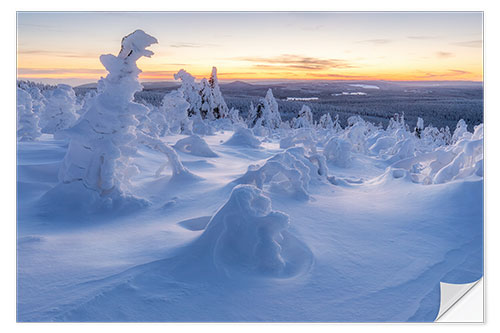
191	92
460	132
60	111
27	120
100	141
219	106
326	122
304	118
266	113
176	108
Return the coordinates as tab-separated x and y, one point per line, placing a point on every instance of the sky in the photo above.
64	47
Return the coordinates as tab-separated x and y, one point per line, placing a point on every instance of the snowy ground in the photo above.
374	247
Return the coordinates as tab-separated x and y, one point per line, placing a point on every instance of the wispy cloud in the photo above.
337	76
77	72
55	53
470	43
449	73
191	45
442	54
59	71
378	41
296	62
422	37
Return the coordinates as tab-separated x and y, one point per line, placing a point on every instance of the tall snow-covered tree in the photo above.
60	110
219	106
101	138
266	113
27	120
190	91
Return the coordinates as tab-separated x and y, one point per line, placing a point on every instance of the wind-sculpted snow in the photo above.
338	151
243	137
303	136
460	160
247	236
194	145
289	173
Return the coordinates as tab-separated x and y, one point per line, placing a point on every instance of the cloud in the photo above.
63	54
378	41
191	45
470	43
442	54
422	37
78	72
52	71
450	72
296	62
337	76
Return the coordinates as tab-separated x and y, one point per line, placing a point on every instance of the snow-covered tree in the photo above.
419	128
87	101
266	113
326	122
190	91
213	105
175	109
304	118
27	120
460	132
60	110
219	106
100	141
234	116
37	99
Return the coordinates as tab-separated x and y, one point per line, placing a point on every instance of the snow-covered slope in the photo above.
368	245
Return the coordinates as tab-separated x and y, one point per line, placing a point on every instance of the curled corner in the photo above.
451	294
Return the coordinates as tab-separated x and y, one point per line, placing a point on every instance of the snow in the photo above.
137	213
59	112
27	119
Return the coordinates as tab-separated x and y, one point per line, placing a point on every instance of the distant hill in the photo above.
237	85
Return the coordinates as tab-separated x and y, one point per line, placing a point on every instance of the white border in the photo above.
7	131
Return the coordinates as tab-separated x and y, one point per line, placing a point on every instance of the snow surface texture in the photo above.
255	221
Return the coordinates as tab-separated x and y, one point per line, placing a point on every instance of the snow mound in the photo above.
302	137
195	145
243	137
247	236
338	151
288	173
75	202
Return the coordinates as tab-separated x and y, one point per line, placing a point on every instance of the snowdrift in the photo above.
246	236
195	145
243	137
